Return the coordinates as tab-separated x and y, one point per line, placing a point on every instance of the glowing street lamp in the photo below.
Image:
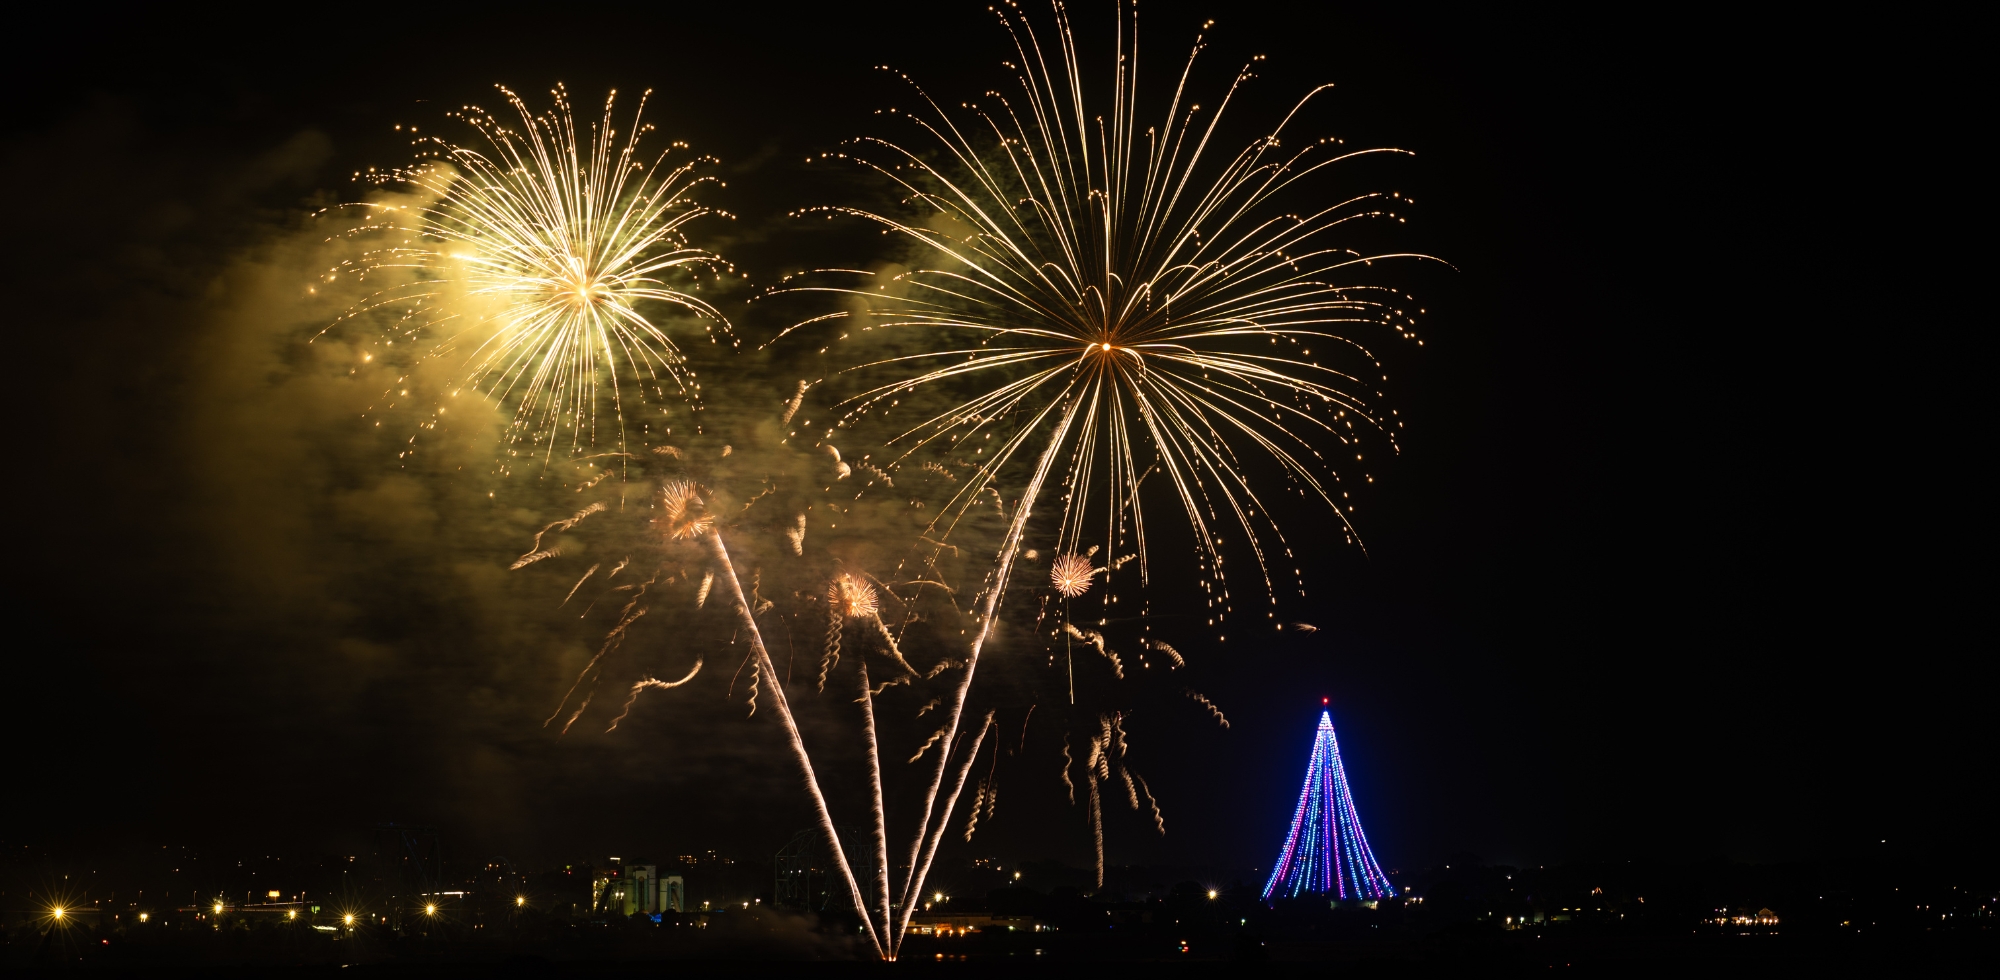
347	920
431	909
58	911
520	900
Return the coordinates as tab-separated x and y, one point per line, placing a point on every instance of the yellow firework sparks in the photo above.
542	257
1071	575
1125	299
852	598
682	513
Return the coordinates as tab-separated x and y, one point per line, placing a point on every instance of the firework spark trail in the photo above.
796	534
1210	705
978	802
1096	639
734	591
655	683
612	640
701	594
875	785
1170	652
831	657
792	407
579	583
895	651
926	747
1159	820
937	836
1068	762
559	527
570	239
533	557
1097	829
1010	547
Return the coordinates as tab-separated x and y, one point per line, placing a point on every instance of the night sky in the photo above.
1656	574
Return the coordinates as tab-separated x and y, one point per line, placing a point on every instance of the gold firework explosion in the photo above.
1071	575
543	257
682	512
1122	297
852	598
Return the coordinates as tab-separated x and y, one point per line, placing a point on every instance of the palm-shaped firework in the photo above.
1123	302
543	258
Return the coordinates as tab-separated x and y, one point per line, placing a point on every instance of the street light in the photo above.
57	911
347	920
1211	894
520	900
431	909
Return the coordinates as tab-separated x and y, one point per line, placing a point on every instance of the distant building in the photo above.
629	889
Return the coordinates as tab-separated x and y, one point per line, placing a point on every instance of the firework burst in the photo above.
542	258
1071	575
1126	302
683	515
851	598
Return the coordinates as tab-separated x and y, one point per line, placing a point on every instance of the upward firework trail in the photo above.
1122	295
543	256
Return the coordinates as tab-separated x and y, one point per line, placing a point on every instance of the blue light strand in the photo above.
1326	851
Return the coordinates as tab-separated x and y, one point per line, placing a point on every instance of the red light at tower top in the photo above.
1323	700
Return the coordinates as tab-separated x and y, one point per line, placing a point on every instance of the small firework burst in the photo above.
1071	574
682	513
852	598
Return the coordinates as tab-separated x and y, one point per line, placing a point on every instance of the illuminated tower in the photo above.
1326	852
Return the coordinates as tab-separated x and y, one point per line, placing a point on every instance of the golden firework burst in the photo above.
544	256
1071	575
682	512
852	598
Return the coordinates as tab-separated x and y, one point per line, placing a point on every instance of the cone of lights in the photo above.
1326	852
